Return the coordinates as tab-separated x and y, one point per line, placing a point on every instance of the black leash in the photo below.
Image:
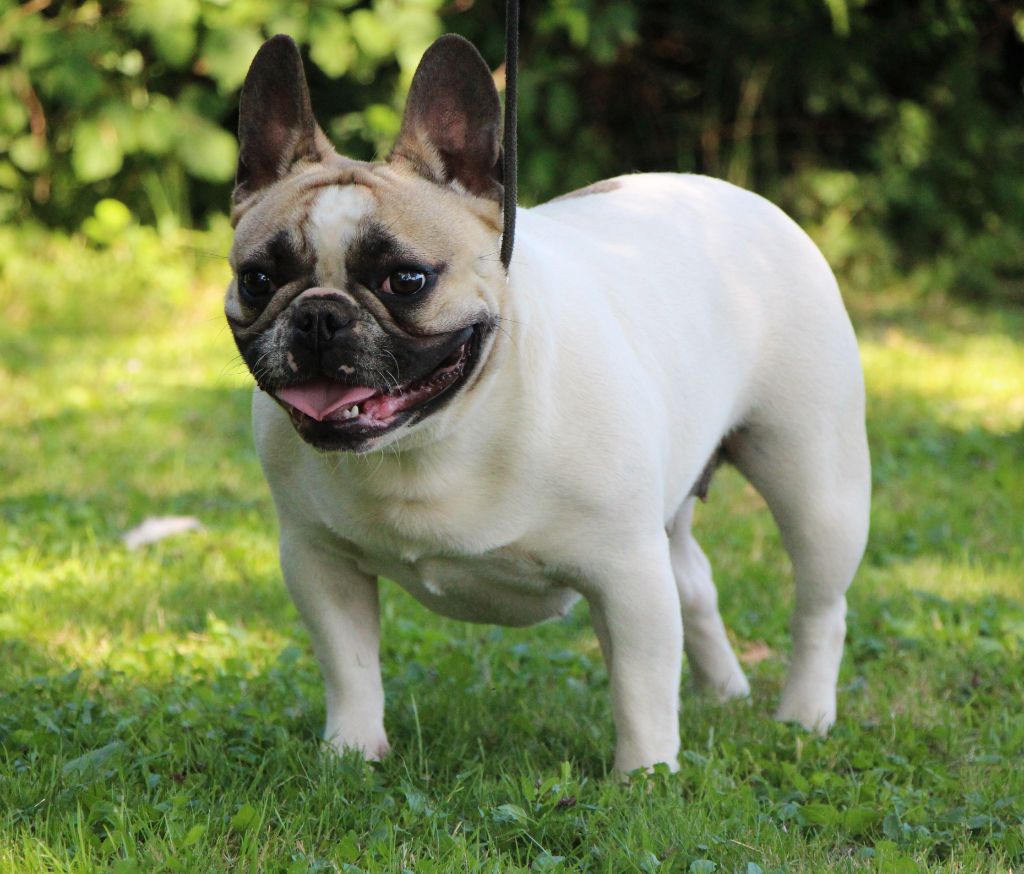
510	170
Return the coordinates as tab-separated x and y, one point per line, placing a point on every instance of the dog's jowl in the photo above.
501	445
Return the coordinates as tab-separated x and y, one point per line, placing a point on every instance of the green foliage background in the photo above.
892	129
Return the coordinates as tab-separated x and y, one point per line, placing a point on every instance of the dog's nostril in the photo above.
306	322
331	323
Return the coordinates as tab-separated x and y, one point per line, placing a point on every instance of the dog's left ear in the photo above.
276	127
452	118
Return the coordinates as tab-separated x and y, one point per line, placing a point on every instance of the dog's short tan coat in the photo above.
645	326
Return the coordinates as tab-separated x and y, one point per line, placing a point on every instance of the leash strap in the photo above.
511	143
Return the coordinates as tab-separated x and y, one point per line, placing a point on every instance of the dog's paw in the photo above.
815	714
371	745
729	688
724	682
626	768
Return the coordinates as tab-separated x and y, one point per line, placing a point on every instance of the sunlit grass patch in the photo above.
968	579
963	381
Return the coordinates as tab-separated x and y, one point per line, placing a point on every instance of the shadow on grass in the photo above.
457	699
83	476
930	317
462	697
190	452
941	491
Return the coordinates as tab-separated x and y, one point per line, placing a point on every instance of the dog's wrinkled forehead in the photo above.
327	211
337	216
323	225
305	209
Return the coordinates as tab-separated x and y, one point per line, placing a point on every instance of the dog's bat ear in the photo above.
276	126
452	119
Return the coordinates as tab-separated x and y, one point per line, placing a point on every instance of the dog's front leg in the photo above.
634	604
340	607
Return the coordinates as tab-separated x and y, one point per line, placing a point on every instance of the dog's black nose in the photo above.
319	321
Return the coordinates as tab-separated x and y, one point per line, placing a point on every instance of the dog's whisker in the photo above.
206	253
398	369
235	365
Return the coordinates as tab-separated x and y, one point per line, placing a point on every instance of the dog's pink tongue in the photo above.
319	398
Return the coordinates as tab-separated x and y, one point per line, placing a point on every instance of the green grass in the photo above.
159	709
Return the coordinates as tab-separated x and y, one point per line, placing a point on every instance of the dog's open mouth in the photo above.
358	408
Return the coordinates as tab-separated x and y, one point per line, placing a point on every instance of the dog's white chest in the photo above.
505	586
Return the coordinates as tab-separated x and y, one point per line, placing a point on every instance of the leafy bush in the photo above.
893	130
137	100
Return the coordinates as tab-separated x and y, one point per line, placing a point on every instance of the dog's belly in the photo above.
504	587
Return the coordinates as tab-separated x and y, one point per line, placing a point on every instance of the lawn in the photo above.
159	708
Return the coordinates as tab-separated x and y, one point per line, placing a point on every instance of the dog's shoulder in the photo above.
689	203
631	185
602	187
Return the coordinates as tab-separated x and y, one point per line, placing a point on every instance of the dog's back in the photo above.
705	291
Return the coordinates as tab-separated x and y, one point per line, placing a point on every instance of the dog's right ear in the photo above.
276	126
452	120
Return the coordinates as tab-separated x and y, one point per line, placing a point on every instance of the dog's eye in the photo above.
405	282
255	284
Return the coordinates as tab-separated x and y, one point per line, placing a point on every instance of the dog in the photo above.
502	444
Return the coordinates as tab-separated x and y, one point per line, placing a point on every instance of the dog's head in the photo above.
365	294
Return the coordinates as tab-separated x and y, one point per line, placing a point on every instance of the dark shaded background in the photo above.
892	129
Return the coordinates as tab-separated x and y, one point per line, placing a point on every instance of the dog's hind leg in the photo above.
814	472
712	661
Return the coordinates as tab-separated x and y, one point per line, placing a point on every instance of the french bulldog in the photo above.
503	443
